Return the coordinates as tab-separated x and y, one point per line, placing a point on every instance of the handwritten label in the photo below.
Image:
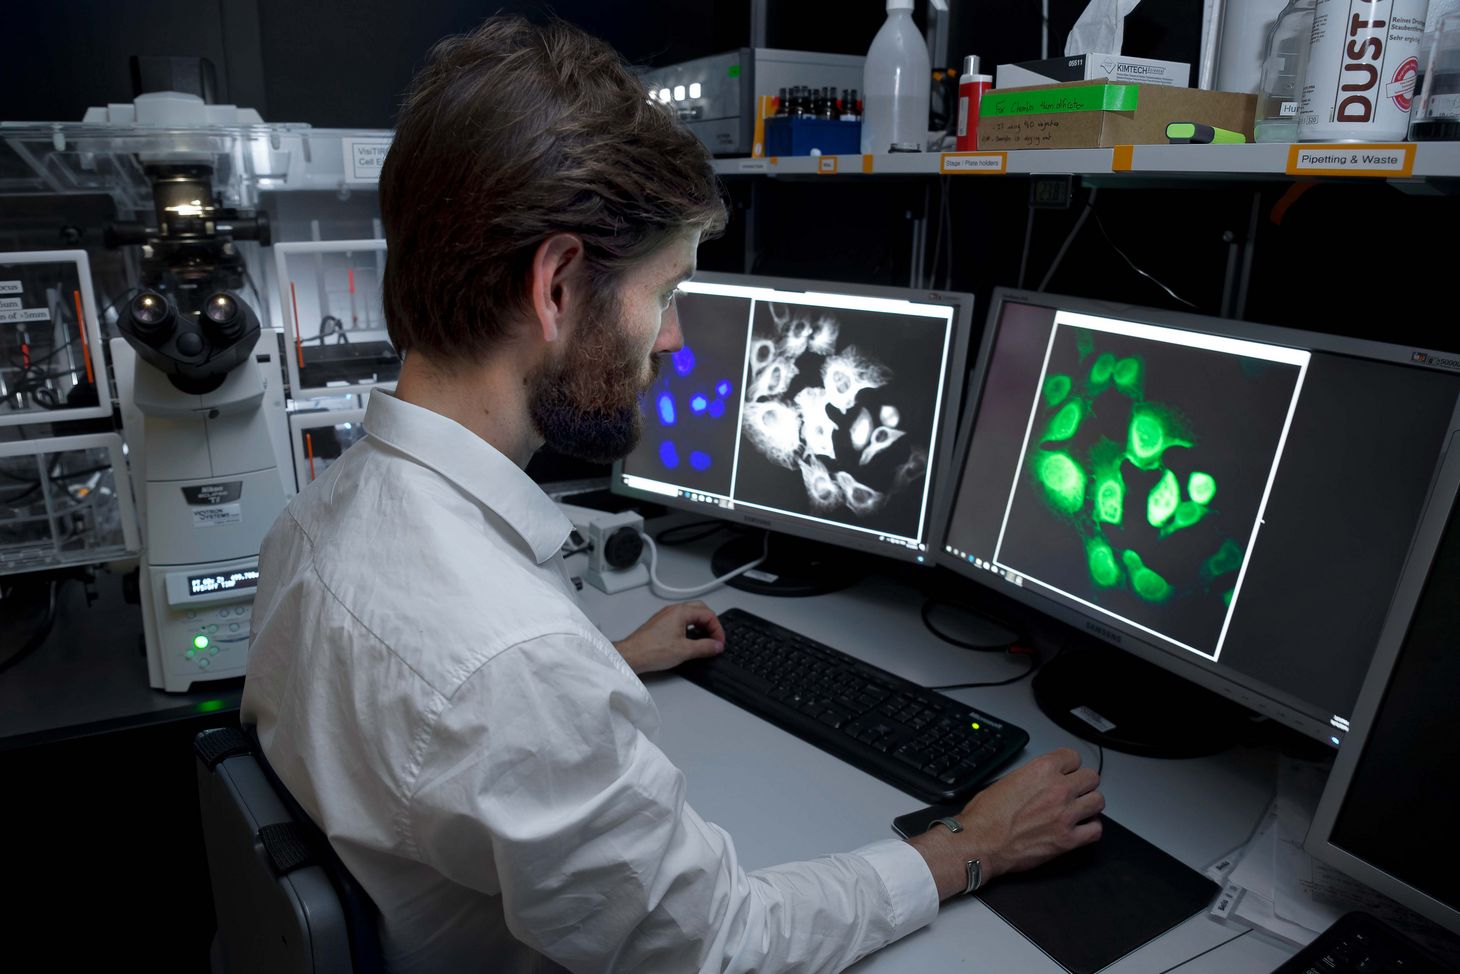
974	162
364	159
1351	160
15	316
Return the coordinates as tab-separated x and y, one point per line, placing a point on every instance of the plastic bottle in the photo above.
971	88
896	83
1284	66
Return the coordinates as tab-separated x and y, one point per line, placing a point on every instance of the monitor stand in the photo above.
1116	700
794	567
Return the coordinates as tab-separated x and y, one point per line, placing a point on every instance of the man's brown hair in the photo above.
508	135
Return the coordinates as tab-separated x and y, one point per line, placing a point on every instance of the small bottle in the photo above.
1284	67
851	108
896	84
971	88
783	104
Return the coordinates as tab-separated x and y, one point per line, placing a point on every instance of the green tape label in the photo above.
1083	98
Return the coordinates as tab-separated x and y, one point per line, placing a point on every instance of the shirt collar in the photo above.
472	464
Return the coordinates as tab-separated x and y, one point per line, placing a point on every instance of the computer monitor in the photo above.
822	411
1230	501
1387	813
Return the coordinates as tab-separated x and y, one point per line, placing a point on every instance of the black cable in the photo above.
1101	768
1100	225
926	612
1074	232
38	636
668	538
1033	665
1207	951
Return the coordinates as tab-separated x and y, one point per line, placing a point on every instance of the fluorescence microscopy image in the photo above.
839	413
1143	478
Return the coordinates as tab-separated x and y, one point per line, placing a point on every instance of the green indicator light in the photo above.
975	725
210	706
200	641
734	71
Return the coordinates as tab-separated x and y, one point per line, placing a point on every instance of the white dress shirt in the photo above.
483	759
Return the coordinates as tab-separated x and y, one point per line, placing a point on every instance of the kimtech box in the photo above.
1093	67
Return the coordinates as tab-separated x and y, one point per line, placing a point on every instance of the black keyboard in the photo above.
1358	943
929	745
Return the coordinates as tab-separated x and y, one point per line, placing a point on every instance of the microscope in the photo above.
203	407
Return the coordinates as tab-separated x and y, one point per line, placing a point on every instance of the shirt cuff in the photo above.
909	882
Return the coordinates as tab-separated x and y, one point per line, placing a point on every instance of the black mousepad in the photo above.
1091	907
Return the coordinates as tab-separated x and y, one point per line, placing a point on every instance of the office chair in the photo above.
285	904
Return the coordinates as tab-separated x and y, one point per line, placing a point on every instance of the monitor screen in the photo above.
1404	747
822	410
1231	501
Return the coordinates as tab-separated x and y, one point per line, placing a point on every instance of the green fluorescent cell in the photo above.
1187	514
1085	343
1148	584
1227	559
1066	422
1201	487
1056	388
1104	367
1227	596
1128	375
1103	567
1109	499
1163	500
1146	439
1063	480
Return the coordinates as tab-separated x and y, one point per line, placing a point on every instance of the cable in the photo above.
1074	232
38	636
665	592
1207	951
932	277
1099	225
1101	768
927	611
669	537
1019	651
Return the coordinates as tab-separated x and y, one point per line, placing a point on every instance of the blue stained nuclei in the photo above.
717	408
699	460
666	409
668	455
724	387
698	404
684	361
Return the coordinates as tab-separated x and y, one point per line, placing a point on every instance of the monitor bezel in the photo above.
1433	522
1253	694
936	515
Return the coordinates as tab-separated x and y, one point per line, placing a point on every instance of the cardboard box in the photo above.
1092	114
1093	67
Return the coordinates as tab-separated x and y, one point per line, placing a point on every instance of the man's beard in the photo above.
585	402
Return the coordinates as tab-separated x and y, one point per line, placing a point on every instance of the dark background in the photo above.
1235	408
911	350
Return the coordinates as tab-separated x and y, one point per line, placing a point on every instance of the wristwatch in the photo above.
974	866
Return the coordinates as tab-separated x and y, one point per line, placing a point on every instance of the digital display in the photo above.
236	581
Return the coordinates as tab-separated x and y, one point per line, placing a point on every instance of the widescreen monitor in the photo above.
1230	501
820	410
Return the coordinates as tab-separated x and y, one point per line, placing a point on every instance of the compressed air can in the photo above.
1362	68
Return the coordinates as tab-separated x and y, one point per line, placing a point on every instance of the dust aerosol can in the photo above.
1362	68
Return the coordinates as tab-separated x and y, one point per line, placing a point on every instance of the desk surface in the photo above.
1196	809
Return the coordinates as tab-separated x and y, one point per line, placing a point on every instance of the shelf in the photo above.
1405	162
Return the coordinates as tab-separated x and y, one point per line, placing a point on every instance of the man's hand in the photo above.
661	643
1045	808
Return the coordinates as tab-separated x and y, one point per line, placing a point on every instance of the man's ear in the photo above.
555	282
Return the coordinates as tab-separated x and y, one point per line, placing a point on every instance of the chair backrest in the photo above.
283	900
